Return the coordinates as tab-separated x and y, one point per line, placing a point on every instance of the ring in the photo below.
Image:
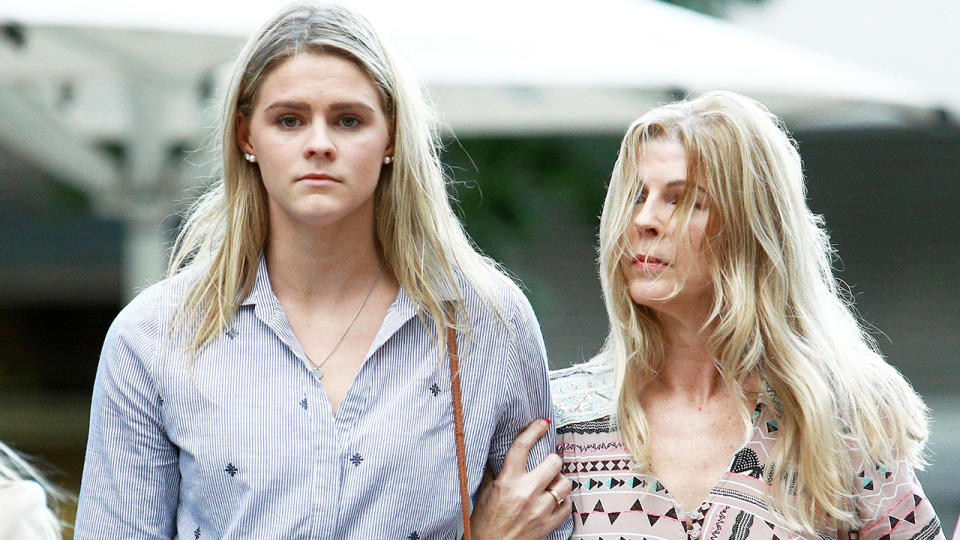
556	497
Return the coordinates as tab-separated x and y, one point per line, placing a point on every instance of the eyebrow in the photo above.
301	106
681	183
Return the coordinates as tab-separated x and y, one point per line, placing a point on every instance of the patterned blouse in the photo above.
611	501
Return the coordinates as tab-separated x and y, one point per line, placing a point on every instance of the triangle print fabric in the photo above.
611	500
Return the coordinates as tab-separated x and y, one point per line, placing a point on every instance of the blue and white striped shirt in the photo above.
248	447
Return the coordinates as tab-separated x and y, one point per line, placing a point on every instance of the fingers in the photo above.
515	462
560	513
545	473
562	487
554	514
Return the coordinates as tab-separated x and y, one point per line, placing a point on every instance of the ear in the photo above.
243	133
392	126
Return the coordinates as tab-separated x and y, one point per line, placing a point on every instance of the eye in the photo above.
641	198
348	121
288	122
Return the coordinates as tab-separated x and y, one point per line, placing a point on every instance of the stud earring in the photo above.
250	157
387	160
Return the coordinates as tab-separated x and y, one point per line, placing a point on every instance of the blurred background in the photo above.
105	107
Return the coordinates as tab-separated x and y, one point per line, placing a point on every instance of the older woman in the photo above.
737	396
290	379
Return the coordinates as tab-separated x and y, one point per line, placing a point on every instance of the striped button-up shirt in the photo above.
245	444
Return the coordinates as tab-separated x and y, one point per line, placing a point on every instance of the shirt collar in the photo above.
399	313
261	291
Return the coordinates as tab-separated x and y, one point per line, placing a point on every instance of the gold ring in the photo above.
556	497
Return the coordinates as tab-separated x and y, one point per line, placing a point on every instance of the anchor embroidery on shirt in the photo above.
414	536
435	389
196	533
356	459
232	333
303	403
231	469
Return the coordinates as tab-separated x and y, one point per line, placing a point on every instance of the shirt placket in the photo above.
328	464
350	455
327	437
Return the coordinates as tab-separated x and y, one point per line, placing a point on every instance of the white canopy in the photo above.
75	76
514	65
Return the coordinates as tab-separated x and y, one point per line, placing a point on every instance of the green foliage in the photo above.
716	8
507	186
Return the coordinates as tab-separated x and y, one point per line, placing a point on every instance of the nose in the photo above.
647	220
320	143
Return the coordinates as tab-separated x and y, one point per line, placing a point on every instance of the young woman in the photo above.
290	378
736	396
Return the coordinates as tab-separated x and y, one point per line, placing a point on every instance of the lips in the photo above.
318	177
642	259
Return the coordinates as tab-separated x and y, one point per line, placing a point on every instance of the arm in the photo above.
131	480
517	504
893	505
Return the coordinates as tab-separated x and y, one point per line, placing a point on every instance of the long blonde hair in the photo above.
423	243
778	313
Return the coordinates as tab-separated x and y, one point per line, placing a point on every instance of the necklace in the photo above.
318	370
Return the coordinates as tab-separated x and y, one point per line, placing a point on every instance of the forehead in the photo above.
309	76
662	161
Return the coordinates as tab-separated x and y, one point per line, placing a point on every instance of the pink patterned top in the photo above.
611	501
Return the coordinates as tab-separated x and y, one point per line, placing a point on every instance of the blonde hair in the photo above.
423	243
13	468
778	313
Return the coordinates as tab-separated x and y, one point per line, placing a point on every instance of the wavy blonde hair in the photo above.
778	314
423	243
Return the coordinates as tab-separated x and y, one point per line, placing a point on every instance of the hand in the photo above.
517	504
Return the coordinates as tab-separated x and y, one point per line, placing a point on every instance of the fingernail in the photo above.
547	420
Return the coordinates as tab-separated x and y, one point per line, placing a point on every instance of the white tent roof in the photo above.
75	76
497	65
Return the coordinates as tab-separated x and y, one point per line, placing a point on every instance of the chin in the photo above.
651	300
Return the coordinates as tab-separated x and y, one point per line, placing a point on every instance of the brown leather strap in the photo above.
458	429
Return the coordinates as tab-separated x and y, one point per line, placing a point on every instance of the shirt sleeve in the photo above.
529	399
893	505
131	481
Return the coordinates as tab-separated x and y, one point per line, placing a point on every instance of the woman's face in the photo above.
658	259
319	134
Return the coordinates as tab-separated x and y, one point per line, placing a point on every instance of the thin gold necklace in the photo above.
318	370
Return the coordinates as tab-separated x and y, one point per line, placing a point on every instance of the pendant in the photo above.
318	373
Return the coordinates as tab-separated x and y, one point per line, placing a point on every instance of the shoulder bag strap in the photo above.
458	428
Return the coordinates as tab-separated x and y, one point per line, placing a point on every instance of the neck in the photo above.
688	369
318	266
